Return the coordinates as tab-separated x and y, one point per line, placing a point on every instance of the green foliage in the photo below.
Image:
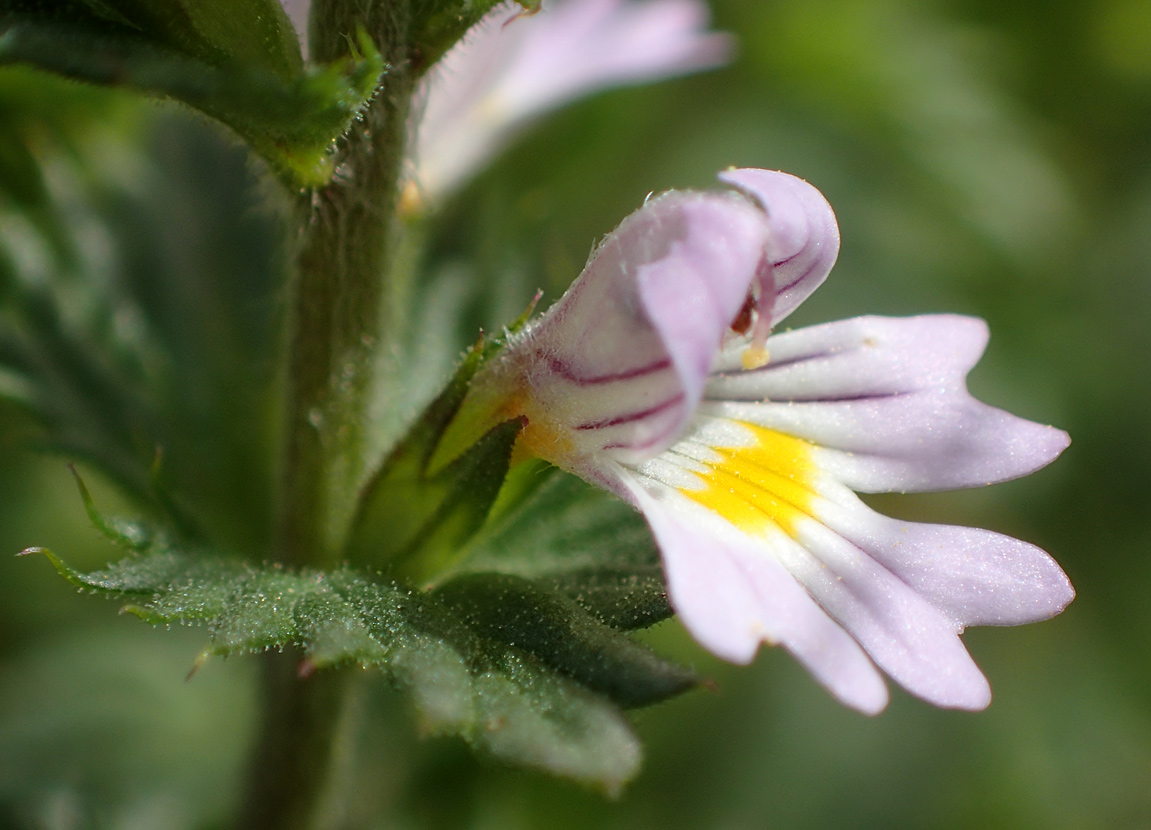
215	31
564	636
925	125
37	111
414	520
561	532
499	698
135	330
517	668
236	61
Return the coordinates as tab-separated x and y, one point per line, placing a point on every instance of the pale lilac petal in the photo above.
622	358
902	630
887	400
578	46
974	576
908	637
512	68
457	119
732	595
804	239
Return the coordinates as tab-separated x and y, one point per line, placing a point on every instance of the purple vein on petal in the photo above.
642	446
863	397
632	417
563	369
812	267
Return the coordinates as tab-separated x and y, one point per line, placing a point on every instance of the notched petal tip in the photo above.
732	598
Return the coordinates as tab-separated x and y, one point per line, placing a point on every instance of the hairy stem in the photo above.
345	233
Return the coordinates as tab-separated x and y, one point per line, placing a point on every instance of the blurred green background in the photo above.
991	158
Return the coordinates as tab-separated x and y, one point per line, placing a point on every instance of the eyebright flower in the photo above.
655	378
512	67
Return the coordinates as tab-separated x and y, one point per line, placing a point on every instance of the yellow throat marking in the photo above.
768	482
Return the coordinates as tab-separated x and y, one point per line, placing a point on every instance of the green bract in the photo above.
236	60
415	520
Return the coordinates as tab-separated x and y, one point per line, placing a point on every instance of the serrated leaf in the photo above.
563	635
156	342
499	698
504	700
287	113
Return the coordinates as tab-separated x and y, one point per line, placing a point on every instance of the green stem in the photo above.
344	250
345	247
290	771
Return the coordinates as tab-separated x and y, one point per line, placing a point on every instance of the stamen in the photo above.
756	356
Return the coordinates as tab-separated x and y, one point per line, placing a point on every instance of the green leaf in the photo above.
247	31
134	536
255	85
563	635
562	533
414	520
440	23
159	341
624	598
498	697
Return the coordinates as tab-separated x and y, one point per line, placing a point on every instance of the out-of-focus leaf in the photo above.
247	31
565	636
20	177
209	60
918	89
108	707
148	350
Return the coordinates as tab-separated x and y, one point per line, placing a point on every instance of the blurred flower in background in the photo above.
513	67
